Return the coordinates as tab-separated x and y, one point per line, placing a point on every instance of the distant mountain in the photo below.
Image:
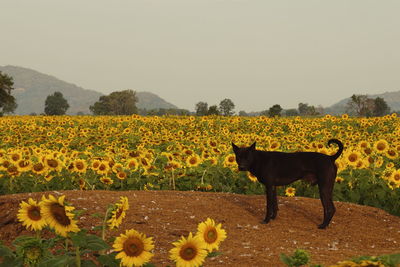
391	98
32	89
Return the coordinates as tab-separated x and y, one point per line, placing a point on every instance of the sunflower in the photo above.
352	158
134	248
251	177
290	192
53	163
395	177
118	213
211	234
58	215
121	175
30	215
80	166
188	252
381	146
103	168
193	160
392	154
229	160
15	156
132	164
106	180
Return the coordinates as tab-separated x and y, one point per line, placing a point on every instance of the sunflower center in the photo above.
59	214
188	252
38	167
133	247
34	213
381	146
211	236
352	158
52	163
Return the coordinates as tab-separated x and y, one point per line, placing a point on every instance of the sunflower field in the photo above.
40	153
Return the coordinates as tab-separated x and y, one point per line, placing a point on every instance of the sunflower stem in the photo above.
103	230
173	179
78	257
202	177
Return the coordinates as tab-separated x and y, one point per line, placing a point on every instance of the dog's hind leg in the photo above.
275	201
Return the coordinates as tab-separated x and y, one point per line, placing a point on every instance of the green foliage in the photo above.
226	107
116	103
56	104
7	101
299	258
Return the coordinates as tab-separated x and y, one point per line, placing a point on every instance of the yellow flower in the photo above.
58	215
80	166
118	213
30	215
188	252
211	234
290	192
381	146
134	248
251	177
193	160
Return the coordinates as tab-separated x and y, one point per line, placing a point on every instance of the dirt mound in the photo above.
167	215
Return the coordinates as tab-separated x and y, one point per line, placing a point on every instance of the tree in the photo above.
360	105
201	108
116	103
291	112
381	108
243	113
213	110
226	107
306	110
275	110
7	101
55	104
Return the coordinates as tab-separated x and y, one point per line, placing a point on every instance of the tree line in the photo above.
125	103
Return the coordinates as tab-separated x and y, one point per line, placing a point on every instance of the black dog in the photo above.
278	168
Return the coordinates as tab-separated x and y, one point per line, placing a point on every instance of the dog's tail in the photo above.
335	141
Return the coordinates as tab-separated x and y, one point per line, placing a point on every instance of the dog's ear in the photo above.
253	146
235	147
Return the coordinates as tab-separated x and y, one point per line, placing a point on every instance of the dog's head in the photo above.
244	156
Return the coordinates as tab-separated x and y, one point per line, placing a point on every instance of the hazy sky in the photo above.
257	53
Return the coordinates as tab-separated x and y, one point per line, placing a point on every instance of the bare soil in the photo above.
167	215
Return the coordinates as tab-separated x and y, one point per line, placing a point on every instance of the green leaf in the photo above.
88	263
62	260
108	260
95	243
6	252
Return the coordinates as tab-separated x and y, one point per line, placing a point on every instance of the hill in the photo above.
32	88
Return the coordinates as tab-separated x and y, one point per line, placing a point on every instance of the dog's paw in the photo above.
322	226
265	221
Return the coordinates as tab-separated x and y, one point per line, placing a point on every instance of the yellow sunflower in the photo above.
230	160
381	146
106	180
352	158
211	234
134	248
80	166
118	213
132	164
30	215
39	168
188	252
193	160
290	192
251	177
58	215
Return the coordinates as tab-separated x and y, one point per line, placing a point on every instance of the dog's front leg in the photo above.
270	203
